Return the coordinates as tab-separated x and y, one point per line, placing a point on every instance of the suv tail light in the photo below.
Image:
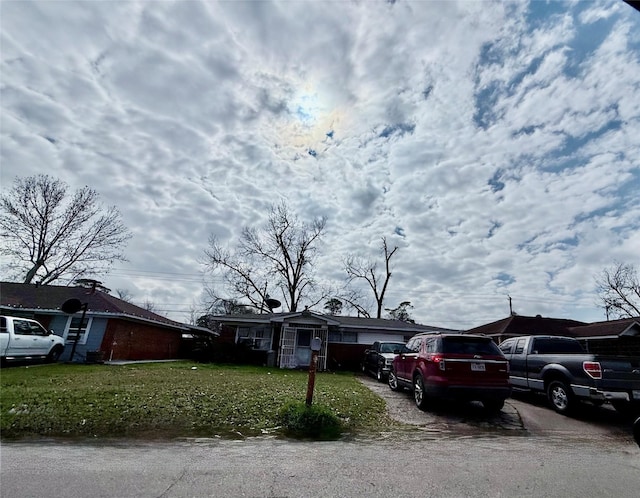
593	369
439	360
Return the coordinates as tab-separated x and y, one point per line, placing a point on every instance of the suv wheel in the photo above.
418	392
493	405
393	381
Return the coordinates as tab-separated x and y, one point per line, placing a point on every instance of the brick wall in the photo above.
124	340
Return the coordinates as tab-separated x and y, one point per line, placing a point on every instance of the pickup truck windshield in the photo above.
390	347
552	346
469	345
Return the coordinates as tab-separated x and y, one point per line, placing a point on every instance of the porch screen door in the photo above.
288	338
323	334
288	348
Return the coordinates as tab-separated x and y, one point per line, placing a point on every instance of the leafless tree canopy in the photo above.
276	260
124	294
360	268
48	235
401	312
333	306
619	291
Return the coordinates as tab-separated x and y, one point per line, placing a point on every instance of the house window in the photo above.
255	337
337	336
77	329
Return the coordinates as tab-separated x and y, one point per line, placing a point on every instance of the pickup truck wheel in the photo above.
54	355
560	397
418	392
393	381
379	374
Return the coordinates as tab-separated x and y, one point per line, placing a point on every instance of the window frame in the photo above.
83	332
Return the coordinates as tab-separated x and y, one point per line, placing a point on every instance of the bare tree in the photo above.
149	305
361	268
94	285
333	306
619	290
124	294
280	255
401	312
50	236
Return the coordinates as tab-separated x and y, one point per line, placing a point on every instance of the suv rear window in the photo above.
469	345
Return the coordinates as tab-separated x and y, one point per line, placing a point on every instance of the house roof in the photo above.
526	325
49	299
351	322
626	327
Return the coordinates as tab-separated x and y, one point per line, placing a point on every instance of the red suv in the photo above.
452	366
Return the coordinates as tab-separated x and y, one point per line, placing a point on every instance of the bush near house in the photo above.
169	400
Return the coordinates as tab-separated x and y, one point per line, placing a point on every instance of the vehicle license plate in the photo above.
635	394
478	367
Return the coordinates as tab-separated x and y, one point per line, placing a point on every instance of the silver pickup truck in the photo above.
24	339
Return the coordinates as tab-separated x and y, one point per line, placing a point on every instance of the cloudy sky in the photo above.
496	144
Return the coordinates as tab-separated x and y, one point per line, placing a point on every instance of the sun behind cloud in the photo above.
310	123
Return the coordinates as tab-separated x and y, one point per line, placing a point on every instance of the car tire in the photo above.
379	374
54	354
493	405
392	381
419	394
560	397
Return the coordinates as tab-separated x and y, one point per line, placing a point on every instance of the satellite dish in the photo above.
71	306
272	303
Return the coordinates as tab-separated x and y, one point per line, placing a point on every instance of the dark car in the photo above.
377	359
452	366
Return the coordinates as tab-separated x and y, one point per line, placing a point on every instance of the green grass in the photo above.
168	400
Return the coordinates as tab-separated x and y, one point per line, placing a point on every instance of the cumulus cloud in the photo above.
495	144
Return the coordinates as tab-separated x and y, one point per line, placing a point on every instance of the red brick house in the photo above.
116	328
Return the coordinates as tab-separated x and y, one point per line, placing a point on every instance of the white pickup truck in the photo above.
24	339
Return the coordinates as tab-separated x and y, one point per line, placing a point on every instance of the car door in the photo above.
407	359
518	363
371	358
507	349
42	339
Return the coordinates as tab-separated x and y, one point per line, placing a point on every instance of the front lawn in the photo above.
167	400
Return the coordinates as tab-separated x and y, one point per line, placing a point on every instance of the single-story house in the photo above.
616	337
284	339
518	325
613	337
117	329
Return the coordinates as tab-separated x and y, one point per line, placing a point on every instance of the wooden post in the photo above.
313	366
